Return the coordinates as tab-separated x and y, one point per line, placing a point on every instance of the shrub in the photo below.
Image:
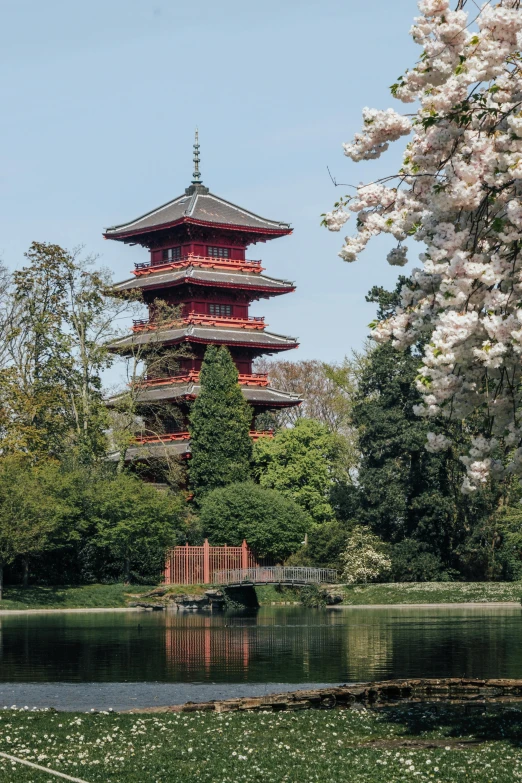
365	558
273	525
326	543
412	562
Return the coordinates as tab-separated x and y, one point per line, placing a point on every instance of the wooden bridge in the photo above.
275	575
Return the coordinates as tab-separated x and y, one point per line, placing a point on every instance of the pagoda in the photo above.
197	263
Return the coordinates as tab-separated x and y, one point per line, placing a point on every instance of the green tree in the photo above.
221	448
302	462
30	510
132	518
406	492
59	320
90	317
273	525
33	385
133	412
323	548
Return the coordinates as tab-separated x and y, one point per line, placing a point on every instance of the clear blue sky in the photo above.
100	101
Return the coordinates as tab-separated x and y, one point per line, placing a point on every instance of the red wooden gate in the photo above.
193	565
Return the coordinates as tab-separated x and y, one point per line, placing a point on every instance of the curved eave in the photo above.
261	396
210	278
148	451
267	233
257	341
255	289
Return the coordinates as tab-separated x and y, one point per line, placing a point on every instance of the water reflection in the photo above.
278	644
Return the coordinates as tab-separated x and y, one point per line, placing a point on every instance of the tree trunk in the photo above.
1	581
127	570
25	577
121	460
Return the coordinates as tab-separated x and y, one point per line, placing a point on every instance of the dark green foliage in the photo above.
313	597
81	524
273	525
494	547
220	421
325	544
412	562
405	490
407	494
134	523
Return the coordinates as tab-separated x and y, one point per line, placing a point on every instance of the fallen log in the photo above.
373	694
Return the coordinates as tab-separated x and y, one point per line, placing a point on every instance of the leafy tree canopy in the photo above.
405	491
273	525
221	448
31	509
303	464
131	516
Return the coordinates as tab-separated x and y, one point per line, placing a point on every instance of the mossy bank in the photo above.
115	596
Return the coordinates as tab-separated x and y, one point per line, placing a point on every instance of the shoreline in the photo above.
336	607
456	604
381	693
98	609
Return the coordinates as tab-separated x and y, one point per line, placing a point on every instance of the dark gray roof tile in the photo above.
254	394
207	335
198	206
200	276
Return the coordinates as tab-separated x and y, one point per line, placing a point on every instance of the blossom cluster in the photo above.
459	193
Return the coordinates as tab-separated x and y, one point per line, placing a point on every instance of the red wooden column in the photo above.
244	554
187	578
206	562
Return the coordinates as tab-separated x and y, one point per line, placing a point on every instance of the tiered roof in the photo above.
261	340
197	206
260	395
258	284
191	220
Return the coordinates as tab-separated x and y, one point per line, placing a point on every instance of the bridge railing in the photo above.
275	574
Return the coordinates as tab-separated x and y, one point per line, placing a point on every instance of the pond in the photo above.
79	661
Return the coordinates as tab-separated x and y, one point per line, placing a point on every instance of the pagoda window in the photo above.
171	254
220	309
218	252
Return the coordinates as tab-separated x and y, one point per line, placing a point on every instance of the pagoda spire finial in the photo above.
196	175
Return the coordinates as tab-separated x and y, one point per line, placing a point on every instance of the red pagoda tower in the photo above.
197	244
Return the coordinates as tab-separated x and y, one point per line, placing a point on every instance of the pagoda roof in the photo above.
153	451
207	334
254	395
199	207
221	278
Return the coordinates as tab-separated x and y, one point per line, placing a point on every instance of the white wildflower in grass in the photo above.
285	746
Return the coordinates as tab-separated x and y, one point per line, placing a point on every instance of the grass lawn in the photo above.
432	593
407	593
119	595
82	597
420	743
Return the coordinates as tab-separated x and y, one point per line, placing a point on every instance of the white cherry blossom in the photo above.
458	193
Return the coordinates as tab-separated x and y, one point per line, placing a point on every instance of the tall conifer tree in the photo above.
219	426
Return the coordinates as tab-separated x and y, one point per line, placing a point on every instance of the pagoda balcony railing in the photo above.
170	437
190	259
250	322
192	376
167	437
